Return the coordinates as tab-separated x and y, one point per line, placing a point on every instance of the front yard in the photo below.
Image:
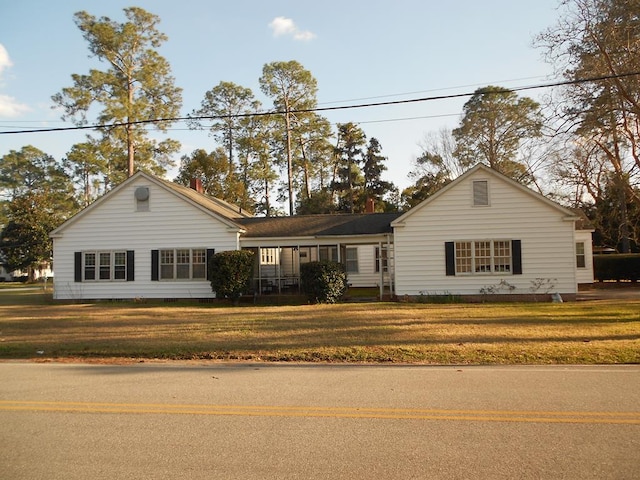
593	332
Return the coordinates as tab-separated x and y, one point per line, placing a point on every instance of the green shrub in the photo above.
616	267
230	273
323	282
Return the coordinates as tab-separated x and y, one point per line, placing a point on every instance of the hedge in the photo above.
616	267
230	273
323	282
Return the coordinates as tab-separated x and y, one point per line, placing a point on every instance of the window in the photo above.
89	266
269	256
382	258
351	259
328	254
119	265
463	257
199	264
106	266
501	256
581	259
483	256
167	263
480	193
183	264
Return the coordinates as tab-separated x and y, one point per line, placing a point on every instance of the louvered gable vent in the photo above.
480	193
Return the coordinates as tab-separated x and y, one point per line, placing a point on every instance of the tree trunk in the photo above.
287	120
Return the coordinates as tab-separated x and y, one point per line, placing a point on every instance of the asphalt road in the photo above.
239	421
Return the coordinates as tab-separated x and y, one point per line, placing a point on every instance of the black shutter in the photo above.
77	266
130	266
450	257
155	262
210	253
516	254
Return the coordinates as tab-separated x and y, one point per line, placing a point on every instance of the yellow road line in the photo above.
626	418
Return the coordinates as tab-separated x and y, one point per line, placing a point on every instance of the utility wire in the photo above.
327	109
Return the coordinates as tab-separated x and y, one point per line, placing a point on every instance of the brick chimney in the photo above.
370	206
196	184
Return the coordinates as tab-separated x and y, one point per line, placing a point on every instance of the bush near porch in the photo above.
323	282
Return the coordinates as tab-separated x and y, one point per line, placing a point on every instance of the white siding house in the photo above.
482	234
584	257
145	239
485	234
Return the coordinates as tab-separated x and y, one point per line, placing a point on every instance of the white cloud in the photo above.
9	107
5	61
286	26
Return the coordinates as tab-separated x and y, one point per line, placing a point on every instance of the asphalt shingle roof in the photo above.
317	225
212	204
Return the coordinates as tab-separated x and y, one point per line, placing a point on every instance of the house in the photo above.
150	238
486	234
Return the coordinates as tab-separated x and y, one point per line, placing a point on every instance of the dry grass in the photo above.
576	333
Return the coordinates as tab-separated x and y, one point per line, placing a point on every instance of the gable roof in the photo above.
213	204
222	211
317	225
485	169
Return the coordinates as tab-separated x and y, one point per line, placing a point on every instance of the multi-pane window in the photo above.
199	264
483	256
119	265
269	256
167	264
89	266
105	266
328	254
183	264
464	257
351	259
502	256
581	260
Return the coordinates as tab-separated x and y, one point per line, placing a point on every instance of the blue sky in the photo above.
359	51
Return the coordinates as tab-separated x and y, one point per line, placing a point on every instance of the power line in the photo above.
427	91
327	109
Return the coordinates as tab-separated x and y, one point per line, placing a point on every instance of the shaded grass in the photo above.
576	333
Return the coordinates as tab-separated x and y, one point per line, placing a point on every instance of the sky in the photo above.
359	51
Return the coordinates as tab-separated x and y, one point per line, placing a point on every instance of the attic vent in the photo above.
141	195
480	193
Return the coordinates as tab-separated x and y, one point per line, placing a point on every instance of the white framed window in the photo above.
480	193
269	256
351	259
581	259
483	256
106	265
199	264
328	254
183	264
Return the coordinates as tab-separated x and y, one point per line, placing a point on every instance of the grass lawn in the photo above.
593	332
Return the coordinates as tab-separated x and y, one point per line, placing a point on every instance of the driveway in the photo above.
612	292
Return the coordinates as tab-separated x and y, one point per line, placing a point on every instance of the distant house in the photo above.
4	275
150	238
